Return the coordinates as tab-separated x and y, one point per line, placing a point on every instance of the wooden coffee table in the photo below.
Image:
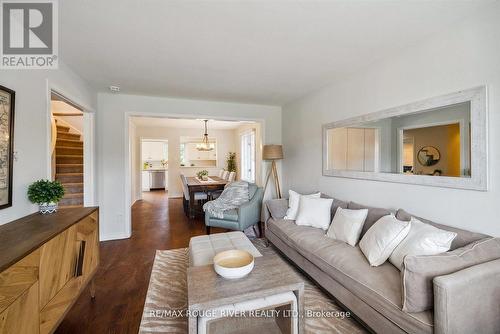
270	276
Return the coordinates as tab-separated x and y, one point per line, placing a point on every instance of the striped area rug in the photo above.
167	291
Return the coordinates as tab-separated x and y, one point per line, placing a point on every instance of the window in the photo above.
183	153
248	156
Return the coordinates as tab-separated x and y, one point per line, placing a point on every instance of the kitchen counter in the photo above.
155	170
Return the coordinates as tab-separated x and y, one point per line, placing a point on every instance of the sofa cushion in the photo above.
314	212
463	237
277	207
419	271
336	204
347	225
379	287
382	238
294	199
374	214
423	239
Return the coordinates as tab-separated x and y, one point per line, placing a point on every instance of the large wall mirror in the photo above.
440	141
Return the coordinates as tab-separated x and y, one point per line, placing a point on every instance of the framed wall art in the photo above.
7	102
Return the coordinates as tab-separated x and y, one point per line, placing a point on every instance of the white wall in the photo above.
113	141
74	122
225	143
463	57
32	131
135	157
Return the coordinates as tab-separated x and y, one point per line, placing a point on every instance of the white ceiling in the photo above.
268	52
185	123
61	107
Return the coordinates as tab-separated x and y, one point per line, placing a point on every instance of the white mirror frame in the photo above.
479	146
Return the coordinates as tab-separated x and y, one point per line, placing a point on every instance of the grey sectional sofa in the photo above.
466	301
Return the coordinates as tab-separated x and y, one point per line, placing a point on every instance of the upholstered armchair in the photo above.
248	214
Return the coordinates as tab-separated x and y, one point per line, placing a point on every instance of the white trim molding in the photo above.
479	141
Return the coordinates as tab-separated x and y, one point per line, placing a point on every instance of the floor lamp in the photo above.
273	153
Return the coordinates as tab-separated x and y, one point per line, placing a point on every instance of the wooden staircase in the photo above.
69	166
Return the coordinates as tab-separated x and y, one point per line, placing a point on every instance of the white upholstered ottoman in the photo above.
203	248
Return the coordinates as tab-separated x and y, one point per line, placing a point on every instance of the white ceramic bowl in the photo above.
233	263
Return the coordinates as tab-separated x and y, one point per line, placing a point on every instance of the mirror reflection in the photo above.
433	142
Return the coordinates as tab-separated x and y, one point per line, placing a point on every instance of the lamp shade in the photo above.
272	152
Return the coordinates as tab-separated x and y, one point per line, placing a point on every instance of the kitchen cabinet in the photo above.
154	151
145	181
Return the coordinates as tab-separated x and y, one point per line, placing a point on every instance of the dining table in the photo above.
194	184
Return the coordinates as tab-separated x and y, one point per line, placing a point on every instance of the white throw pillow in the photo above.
423	239
293	203
347	225
314	212
382	238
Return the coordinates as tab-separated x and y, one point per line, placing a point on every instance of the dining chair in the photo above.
199	197
231	177
221	173
225	175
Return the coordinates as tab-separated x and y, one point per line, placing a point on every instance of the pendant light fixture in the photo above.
205	144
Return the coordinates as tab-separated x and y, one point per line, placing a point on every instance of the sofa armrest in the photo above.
468	301
277	207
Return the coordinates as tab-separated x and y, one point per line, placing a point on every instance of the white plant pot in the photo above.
48	207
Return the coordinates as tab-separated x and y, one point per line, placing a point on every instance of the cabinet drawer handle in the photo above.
79	260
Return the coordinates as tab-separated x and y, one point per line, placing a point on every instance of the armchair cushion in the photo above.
228	215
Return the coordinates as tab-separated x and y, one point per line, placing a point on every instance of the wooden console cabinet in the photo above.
45	263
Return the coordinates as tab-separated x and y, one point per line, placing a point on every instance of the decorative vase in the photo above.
47	207
204	177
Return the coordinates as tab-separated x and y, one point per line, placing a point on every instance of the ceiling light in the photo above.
205	144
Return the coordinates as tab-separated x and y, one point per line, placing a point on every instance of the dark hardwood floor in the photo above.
123	276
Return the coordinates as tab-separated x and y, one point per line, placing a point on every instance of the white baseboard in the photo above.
114	236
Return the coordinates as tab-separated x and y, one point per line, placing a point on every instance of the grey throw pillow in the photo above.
277	207
418	271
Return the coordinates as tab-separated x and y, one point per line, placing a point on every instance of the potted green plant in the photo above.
231	162
203	175
46	194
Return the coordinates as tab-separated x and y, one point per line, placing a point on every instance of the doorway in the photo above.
71	150
188	154
154	163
